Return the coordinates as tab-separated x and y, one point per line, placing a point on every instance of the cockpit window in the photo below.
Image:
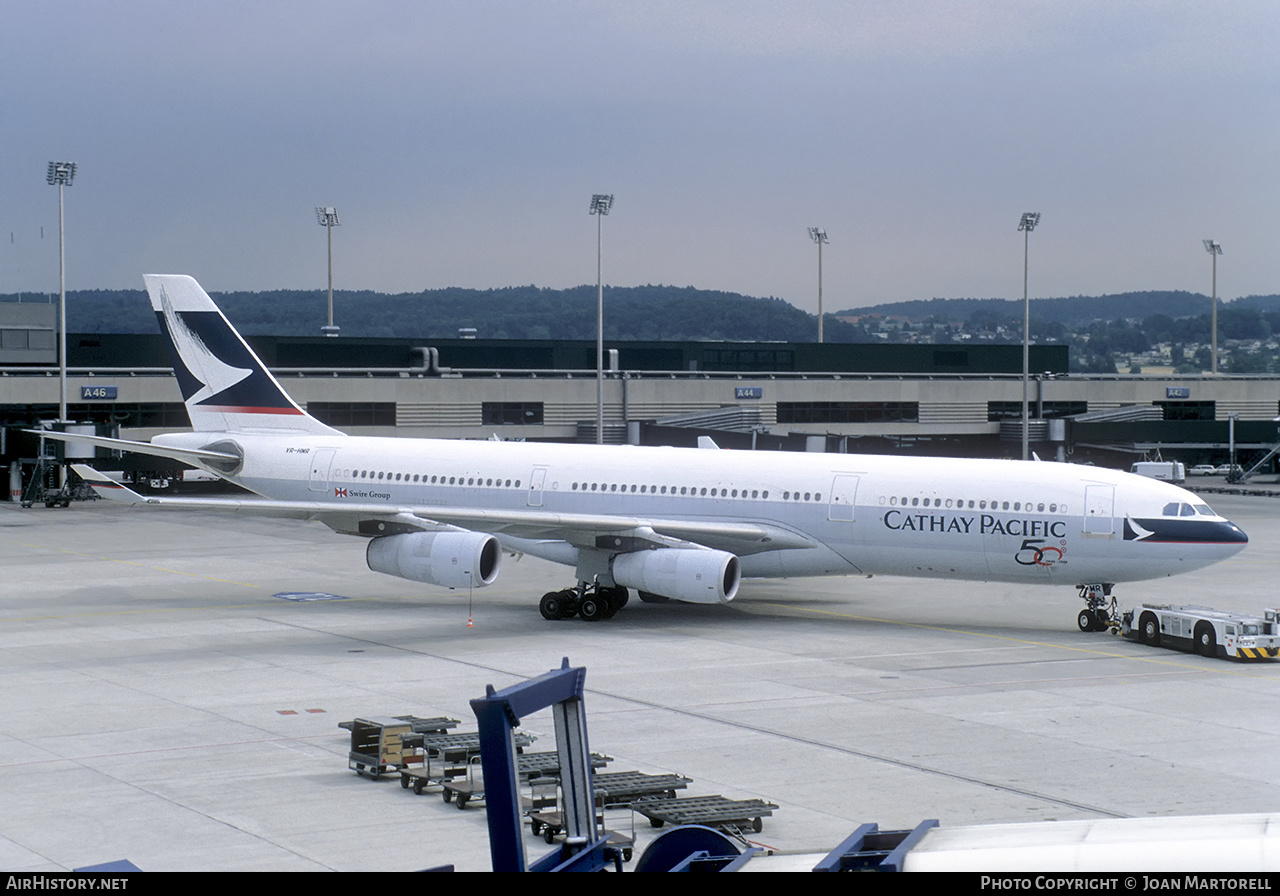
1181	509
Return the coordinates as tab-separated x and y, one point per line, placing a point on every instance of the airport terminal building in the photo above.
875	398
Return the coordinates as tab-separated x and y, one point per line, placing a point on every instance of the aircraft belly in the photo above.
544	549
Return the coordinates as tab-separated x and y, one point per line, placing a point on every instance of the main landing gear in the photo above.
1101	613
591	602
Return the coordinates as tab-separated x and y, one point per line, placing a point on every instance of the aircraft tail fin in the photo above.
225	386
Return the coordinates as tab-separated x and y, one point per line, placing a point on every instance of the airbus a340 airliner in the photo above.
671	523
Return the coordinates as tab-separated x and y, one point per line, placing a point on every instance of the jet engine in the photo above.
451	559
699	577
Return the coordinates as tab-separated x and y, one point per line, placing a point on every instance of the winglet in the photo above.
107	488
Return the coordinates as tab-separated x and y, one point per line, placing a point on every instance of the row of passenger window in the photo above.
689	491
693	491
423	479
962	503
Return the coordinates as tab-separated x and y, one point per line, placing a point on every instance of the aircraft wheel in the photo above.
1150	628
552	605
1207	641
1087	621
568	603
614	600
592	609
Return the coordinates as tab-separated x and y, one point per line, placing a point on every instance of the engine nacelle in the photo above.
700	577
451	559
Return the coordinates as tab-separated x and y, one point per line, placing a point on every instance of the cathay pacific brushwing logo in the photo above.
214	375
1135	532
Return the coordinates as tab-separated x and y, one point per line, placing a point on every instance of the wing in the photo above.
615	533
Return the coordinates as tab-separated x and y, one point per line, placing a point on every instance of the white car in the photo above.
1202	470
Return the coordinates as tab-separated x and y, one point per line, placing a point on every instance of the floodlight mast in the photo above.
1026	225
327	217
62	174
819	236
600	205
1215	250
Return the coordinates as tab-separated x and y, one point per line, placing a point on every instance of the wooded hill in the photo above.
1074	311
518	312
649	313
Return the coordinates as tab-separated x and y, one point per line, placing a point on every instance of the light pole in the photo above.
600	205
62	174
327	217
1026	225
1215	250
819	236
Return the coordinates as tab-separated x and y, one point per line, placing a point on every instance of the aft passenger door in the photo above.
321	460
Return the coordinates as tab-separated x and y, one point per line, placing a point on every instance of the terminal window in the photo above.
1049	410
353	413
848	411
510	413
22	339
141	415
748	359
1187	410
128	415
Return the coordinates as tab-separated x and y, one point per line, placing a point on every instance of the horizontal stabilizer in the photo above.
107	488
193	456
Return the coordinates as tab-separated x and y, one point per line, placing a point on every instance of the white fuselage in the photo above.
1033	522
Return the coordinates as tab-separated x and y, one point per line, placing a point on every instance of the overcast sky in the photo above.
461	143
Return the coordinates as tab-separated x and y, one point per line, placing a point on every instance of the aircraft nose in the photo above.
1227	532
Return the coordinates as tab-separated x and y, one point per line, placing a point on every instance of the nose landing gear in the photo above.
1101	613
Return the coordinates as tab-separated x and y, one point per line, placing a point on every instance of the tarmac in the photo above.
163	704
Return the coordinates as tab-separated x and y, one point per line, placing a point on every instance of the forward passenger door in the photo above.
844	489
1099	510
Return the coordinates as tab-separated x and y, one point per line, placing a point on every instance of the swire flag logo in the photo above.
339	492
